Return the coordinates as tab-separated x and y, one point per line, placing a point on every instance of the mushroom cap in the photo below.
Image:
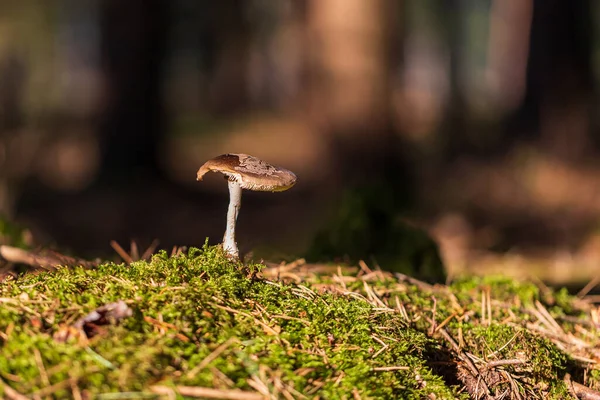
250	172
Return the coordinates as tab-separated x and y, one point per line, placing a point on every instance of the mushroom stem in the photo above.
235	200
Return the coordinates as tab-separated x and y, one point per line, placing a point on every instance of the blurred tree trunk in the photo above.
454	126
228	51
354	49
12	82
133	41
559	75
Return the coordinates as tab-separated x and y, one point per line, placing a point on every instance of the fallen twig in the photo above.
12	394
582	392
209	393
398	368
41	259
469	363
498	363
121	251
49	390
413	281
588	288
212	356
134	252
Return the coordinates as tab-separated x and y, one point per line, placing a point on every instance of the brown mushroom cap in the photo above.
250	172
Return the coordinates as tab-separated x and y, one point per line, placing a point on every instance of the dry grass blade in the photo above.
50	390
150	250
212	356
121	252
40	364
445	322
266	327
413	281
394	368
489	305
10	393
372	296
260	386
587	288
384	346
549	320
207	393
364	268
134	252
483	308
75	391
401	309
163	326
493	354
499	363
175	251
300	271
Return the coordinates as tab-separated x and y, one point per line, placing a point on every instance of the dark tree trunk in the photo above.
354	54
133	41
228	53
12	83
454	127
355	51
559	76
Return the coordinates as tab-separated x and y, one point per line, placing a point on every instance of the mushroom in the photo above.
245	172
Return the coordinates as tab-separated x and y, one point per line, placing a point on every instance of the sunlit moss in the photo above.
201	319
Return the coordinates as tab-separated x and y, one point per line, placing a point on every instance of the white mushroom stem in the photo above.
235	202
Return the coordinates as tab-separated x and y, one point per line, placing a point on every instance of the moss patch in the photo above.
202	321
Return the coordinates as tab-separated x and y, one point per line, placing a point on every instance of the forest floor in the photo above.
194	324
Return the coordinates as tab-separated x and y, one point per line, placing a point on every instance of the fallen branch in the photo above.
413	281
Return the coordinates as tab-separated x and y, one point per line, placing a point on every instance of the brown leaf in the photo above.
91	325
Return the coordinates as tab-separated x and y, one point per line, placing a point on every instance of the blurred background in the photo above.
472	122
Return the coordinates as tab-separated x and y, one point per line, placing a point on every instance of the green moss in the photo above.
310	343
202	320
541	358
593	379
504	288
